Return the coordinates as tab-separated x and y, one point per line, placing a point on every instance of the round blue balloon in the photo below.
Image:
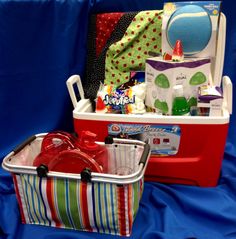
192	25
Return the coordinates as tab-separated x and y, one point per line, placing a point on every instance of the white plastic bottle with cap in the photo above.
180	105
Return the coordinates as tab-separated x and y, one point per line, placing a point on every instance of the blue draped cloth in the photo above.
42	43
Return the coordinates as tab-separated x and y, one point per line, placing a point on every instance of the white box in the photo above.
161	76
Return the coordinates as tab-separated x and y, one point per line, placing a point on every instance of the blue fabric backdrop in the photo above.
42	43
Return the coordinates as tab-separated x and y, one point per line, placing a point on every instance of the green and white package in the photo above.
161	76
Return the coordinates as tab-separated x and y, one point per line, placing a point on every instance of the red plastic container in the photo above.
86	143
62	152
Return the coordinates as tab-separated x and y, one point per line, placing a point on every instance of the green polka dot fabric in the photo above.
129	54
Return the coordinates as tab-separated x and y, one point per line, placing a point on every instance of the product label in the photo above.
163	139
207	12
118	99
161	79
212	7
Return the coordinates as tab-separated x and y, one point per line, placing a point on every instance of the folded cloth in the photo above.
118	43
143	35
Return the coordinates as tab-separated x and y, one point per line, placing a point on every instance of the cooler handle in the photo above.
228	93
75	79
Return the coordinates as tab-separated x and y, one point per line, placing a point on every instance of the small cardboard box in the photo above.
161	76
210	101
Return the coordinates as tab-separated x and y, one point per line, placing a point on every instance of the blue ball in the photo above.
192	25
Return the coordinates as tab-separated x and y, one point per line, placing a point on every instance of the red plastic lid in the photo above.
73	161
52	144
58	141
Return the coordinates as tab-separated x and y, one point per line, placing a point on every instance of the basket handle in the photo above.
145	155
23	144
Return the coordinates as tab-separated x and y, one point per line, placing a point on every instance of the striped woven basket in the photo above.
106	204
68	203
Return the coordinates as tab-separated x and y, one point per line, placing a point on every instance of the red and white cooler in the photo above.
184	149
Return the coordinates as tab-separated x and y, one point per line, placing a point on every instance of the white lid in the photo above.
178	90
